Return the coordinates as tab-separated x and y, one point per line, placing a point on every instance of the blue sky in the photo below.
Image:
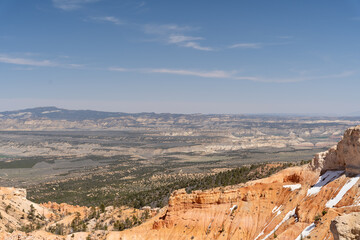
269	56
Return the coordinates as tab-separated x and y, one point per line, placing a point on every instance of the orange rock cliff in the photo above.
296	203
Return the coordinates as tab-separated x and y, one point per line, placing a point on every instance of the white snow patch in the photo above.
20	114
45	112
357	201
349	184
287	216
276	209
306	231
293	187
323	180
233	208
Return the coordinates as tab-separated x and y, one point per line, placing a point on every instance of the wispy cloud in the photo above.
232	75
247	45
188	41
175	34
35	62
27	62
197	46
258	45
119	69
204	74
165	29
69	5
109	19
182	38
344	74
196	73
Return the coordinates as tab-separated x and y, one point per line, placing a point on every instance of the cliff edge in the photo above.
344	156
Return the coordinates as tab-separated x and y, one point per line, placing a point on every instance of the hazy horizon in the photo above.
352	114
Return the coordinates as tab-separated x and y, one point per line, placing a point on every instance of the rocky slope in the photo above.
296	203
316	201
23	219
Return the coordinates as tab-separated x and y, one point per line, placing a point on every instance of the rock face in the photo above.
346	227
281	206
344	156
296	203
22	219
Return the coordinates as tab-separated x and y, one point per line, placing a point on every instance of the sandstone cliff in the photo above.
344	156
296	203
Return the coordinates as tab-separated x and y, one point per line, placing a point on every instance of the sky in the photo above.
204	56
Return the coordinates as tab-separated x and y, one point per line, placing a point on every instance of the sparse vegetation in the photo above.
146	190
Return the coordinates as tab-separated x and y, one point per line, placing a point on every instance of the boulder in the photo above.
346	227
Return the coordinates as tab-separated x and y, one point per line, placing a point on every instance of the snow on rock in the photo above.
357	202
276	209
287	217
54	111
233	208
306	231
324	179
348	185
293	186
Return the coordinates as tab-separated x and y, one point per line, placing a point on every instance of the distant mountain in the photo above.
54	113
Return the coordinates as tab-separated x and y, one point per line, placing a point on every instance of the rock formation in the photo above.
296	203
344	156
346	227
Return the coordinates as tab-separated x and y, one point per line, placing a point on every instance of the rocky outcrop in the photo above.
344	156
296	203
22	219
346	227
286	205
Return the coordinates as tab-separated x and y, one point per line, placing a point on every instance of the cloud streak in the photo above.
109	19
247	45
165	29
175	34
232	75
68	5
188	41
27	62
344	74
195	73
35	63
